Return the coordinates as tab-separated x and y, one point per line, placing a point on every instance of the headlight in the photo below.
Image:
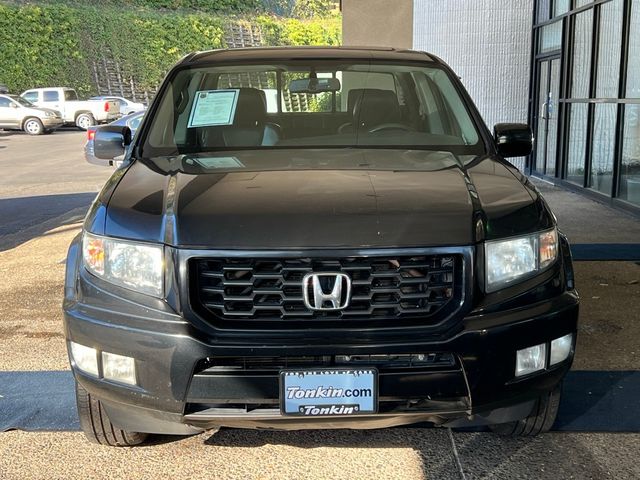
49	114
133	265
508	261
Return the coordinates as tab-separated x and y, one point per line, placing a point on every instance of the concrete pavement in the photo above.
596	231
584	220
46	164
45	182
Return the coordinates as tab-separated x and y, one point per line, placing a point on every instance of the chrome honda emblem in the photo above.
326	291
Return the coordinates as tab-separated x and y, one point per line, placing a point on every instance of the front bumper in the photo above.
110	117
52	123
177	393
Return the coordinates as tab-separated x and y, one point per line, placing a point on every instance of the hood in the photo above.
347	198
40	111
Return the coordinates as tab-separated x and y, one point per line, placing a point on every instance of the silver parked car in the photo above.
127	107
16	113
132	121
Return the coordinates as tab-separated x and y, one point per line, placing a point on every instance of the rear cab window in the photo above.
70	95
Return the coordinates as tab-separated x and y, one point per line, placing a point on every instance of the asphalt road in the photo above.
43	178
44	189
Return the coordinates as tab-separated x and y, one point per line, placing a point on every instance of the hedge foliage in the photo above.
147	44
46	45
293	31
302	8
223	6
41	46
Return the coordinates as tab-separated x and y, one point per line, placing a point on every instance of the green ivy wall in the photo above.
45	45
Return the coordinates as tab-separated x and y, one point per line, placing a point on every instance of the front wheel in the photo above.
540	420
33	126
85	120
96	425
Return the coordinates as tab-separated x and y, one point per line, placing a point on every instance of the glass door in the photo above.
546	121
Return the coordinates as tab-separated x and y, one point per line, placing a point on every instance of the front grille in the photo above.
382	362
237	292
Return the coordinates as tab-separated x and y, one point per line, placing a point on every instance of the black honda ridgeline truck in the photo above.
305	238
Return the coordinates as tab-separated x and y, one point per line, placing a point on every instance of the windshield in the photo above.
21	101
304	104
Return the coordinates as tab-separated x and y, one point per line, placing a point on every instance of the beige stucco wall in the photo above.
380	23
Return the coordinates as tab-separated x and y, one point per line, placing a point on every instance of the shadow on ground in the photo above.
606	252
593	401
24	218
59	131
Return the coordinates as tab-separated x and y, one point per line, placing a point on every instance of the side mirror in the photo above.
513	139
13	105
111	141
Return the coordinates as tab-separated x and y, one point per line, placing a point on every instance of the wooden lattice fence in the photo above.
111	79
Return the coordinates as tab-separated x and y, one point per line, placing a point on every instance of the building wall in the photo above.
487	44
380	23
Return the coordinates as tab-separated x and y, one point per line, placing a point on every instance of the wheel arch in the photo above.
81	112
27	118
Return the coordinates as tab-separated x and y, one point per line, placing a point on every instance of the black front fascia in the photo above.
178	281
178	284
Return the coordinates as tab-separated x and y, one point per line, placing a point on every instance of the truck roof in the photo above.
308	52
49	88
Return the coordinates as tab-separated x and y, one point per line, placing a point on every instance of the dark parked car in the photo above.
132	121
358	256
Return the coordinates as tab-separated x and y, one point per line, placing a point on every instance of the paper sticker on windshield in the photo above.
214	107
216	162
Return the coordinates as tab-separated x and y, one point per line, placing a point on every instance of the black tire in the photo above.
96	424
85	120
33	126
540	420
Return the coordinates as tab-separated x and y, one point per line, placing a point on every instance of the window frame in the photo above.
621	100
44	96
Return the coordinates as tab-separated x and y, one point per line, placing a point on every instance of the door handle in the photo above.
544	111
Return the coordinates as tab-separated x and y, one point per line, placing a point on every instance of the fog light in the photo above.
531	359
85	358
561	349
119	368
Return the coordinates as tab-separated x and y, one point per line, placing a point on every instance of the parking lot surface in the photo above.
46	187
44	178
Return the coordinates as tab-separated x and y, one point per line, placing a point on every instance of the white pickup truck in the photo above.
82	113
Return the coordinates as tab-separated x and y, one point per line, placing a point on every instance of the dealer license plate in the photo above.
328	392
